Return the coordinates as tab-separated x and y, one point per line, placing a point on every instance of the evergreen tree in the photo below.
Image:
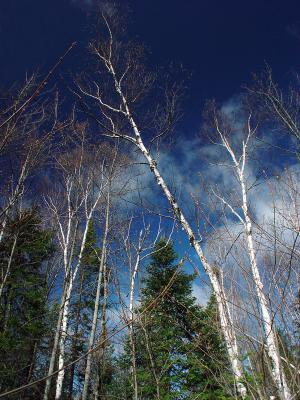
23	306
180	354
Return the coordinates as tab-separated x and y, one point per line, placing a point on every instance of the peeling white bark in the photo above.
270	335
62	340
271	341
67	245
136	139
54	349
70	276
227	328
65	317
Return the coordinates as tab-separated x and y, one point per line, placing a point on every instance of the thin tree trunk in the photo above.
54	347
62	342
99	393
3	225
65	318
97	300
153	369
31	366
7	272
271	341
227	329
131	327
136	139
74	354
7	309
60	319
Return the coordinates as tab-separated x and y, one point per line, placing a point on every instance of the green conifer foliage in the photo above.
23	306
182	339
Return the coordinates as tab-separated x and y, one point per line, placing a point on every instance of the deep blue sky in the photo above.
220	41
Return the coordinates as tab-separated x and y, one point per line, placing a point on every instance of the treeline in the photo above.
95	303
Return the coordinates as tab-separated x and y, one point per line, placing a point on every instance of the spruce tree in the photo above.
23	307
180	354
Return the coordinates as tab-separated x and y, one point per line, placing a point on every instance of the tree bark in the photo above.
60	318
227	328
75	354
97	300
270	335
65	318
271	341
99	393
7	272
136	139
131	327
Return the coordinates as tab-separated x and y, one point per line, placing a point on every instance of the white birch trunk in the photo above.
65	225
68	276
131	327
97	300
65	317
103	336
62	340
3	225
136	139
268	323
271	341
54	350
227	329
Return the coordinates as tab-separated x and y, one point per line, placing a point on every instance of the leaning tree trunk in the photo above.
227	328
136	139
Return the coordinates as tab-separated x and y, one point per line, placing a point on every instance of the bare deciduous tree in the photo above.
223	128
118	92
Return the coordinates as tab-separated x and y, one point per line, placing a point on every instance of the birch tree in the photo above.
82	190
242	214
111	172
129	83
277	105
136	253
25	140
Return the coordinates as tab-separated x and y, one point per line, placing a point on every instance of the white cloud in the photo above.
201	293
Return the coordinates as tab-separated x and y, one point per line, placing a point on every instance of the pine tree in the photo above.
23	307
180	354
